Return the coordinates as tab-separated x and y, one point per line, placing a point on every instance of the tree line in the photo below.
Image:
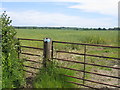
65	28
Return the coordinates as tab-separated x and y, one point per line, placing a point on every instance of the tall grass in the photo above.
53	77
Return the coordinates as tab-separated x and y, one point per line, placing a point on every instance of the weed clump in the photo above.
53	77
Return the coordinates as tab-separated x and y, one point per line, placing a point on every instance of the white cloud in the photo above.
1	10
35	18
108	7
40	0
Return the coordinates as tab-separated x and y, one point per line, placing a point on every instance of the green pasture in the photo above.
80	36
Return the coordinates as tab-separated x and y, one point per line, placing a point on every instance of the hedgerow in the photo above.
12	74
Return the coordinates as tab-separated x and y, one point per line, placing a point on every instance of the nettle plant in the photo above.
12	76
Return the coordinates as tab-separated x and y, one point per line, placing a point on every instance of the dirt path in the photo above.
30	76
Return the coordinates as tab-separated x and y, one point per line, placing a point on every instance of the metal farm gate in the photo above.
49	52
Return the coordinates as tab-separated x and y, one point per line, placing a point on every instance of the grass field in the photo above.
93	37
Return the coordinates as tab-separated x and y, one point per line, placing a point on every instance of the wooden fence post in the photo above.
47	50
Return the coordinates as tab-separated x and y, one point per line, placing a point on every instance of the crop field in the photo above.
91	37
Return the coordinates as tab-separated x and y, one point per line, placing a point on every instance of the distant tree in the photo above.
99	28
104	28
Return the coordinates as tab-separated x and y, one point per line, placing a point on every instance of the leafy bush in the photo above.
12	76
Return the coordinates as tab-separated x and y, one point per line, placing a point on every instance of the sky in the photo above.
62	13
